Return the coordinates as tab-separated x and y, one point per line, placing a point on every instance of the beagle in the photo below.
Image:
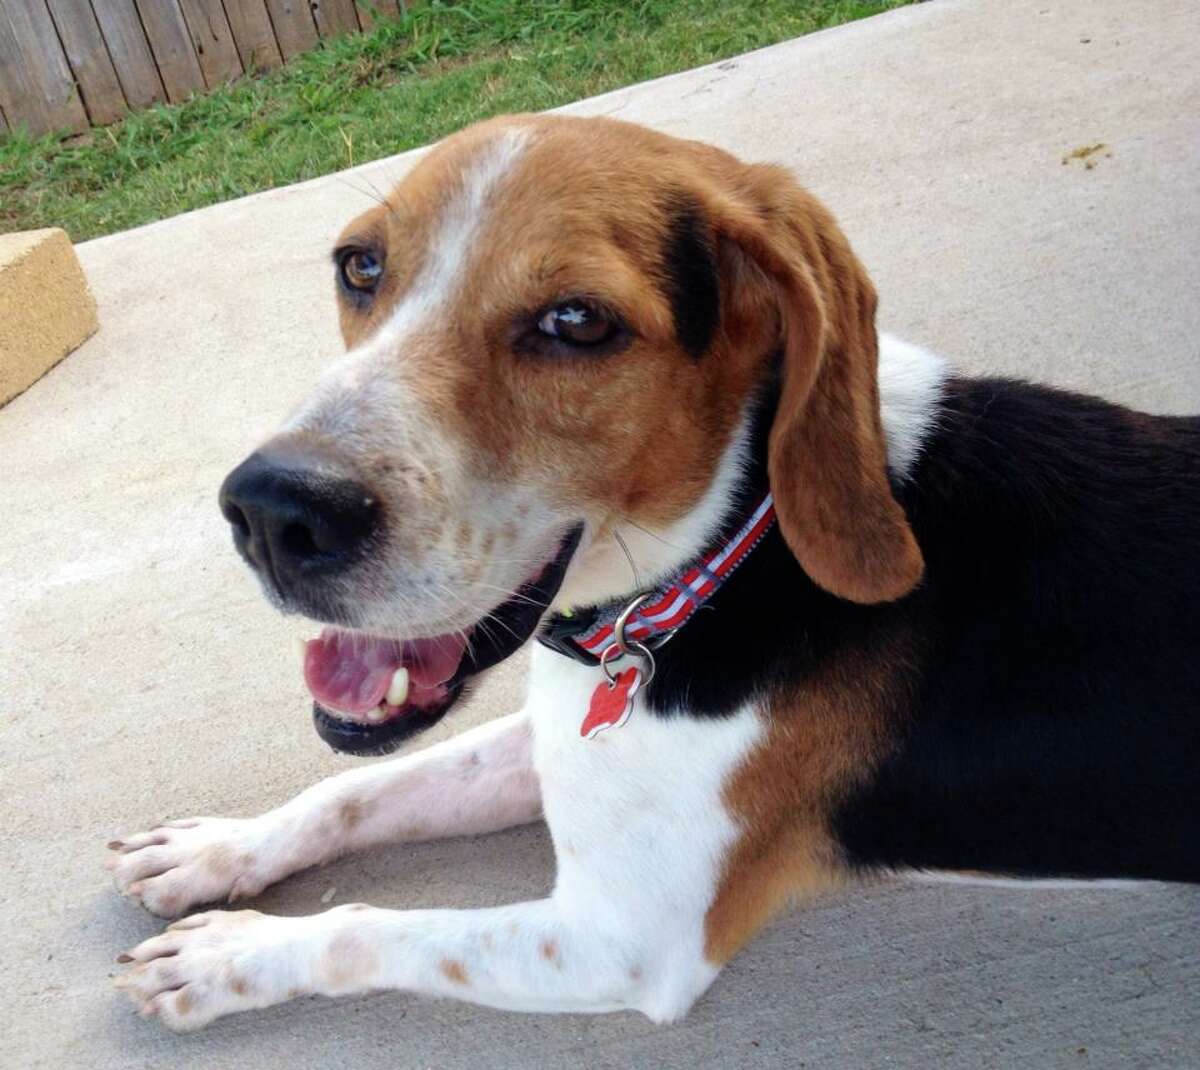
810	606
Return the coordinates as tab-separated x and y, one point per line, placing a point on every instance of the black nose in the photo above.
295	518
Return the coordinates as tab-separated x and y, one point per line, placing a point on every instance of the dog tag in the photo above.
611	703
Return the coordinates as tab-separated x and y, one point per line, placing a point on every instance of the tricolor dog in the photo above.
810	605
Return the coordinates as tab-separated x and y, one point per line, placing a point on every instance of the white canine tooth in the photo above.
376	715
301	648
397	692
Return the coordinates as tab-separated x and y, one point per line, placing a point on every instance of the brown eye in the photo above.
360	270
578	323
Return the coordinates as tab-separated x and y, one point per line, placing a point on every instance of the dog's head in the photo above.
555	327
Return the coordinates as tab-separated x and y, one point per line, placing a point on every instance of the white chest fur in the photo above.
638	821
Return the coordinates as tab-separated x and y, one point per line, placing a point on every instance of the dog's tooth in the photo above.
397	692
301	648
375	716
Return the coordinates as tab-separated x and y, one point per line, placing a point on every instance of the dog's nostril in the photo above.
237	519
298	541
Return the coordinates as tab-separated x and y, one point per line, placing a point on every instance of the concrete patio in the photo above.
142	675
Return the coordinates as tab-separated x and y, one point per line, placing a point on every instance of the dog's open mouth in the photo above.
372	692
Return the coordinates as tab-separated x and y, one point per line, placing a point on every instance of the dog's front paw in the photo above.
217	963
185	863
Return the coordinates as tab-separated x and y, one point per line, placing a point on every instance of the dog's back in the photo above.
1058	703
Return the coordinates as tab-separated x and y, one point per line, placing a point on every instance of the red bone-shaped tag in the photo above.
611	703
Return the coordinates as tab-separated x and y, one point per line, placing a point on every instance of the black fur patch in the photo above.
1055	722
1047	720
690	280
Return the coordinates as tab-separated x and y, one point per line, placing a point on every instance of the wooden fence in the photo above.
70	64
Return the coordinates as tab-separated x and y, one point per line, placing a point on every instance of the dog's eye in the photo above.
360	270
578	323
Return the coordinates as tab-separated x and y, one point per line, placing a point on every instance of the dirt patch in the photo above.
1088	155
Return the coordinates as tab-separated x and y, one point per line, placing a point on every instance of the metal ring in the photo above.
622	621
635	650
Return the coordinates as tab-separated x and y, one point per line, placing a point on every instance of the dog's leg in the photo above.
643	842
478	782
543	956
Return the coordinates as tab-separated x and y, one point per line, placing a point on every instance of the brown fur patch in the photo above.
348	964
351	812
827	455
824	737
239	986
455	971
183	1002
549	951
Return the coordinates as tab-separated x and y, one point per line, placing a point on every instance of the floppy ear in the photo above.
827	460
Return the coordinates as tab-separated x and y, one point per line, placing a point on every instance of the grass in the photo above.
360	97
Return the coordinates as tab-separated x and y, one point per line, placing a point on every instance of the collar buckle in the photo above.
560	631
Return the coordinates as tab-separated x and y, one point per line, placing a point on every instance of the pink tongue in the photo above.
351	672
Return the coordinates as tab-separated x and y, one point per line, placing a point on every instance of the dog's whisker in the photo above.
637	580
371	194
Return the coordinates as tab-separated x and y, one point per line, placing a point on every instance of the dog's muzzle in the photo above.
302	522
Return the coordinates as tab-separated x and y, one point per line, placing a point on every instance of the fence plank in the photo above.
334	17
36	87
294	27
213	41
172	47
130	52
252	33
383	9
89	59
65	62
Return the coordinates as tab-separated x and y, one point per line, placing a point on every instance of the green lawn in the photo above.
365	96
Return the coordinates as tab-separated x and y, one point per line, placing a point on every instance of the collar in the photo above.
652	617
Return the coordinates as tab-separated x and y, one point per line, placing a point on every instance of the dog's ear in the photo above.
827	459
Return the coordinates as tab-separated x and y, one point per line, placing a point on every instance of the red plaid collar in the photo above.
585	636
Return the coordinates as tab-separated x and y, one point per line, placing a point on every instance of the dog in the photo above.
810	607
